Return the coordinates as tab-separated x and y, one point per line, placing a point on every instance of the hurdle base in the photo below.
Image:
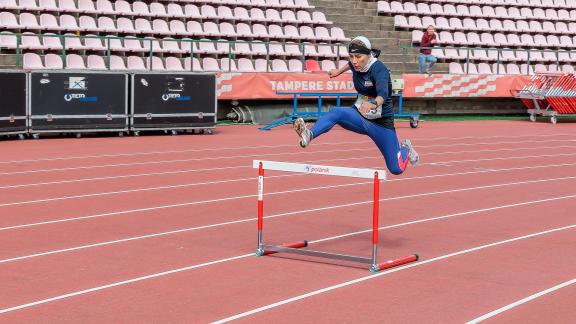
272	249
394	263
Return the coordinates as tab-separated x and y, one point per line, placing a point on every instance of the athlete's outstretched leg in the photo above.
347	117
396	156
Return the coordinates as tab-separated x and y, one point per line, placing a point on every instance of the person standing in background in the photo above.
429	39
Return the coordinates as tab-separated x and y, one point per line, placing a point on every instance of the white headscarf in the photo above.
368	45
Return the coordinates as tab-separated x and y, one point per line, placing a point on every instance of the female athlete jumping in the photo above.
372	113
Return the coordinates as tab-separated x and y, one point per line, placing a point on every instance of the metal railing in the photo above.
148	45
497	59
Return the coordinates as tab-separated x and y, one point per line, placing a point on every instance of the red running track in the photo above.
162	229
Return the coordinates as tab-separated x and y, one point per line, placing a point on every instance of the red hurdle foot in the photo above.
394	263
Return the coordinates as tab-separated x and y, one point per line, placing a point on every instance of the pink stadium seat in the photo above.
383	7
228	65
96	62
86	6
158	10
455	68
117	63
8	21
553	41
174	10
86	23
276	49
192	12
482	25
475	11
210	64
188	46
415	22
140	9
479	55
514	40
134	45
540	40
410	8
327	65
53	61
206	46
287	3
526	69
470	68
442	23
47	5
273	3
302	4
563	14
223	46
456	24
151	41
488	40
550	14
292	49
553	68
261	65
567	68
275	31
417	36
535	26
157	64
460	38
291	32
123	8
498	68
115	44
438	53
396	7
322	33
143	25
8	5
125	25
473	39
272	15
295	66
512	68
488	12
104	7
49	22
257	15
93	43
106	24
196	67
29	21
469	24
208	12
51	41
307	33
160	27
484	68
28	4
304	17
462	10
32	61
245	65
453	54
444	37
170	45
436	9
319	18
224	13
241	14
549	56
566	41
507	55
259	31
325	50
242	48
75	62
509	25
8	40
538	13
195	28
258	48
135	63
400	22
30	41
279	66
243	30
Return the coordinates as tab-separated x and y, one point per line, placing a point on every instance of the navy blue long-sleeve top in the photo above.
375	82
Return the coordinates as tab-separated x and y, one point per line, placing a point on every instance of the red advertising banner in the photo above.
265	85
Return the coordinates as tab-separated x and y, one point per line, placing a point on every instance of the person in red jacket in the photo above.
429	39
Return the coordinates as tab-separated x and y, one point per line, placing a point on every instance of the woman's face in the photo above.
359	61
430	30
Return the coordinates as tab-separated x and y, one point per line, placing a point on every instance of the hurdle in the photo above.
297	247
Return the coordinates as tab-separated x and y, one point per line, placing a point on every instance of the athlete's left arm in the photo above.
381	78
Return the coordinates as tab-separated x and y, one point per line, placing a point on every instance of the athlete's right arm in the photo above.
336	72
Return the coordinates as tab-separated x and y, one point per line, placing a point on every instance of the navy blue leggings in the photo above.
386	140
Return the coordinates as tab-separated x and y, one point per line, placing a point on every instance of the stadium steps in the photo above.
358	17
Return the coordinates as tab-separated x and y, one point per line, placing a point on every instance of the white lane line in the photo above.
347	283
233	148
185	185
501	158
134	238
228	157
380	274
378	156
260	147
253	155
522	301
129	211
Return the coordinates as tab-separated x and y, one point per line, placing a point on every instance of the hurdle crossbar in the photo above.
296	248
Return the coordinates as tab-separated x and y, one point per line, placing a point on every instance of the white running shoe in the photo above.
303	132
413	156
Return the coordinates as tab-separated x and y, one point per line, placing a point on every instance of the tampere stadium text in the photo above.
304	85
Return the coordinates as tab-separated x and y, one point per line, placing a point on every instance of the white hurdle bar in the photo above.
377	175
